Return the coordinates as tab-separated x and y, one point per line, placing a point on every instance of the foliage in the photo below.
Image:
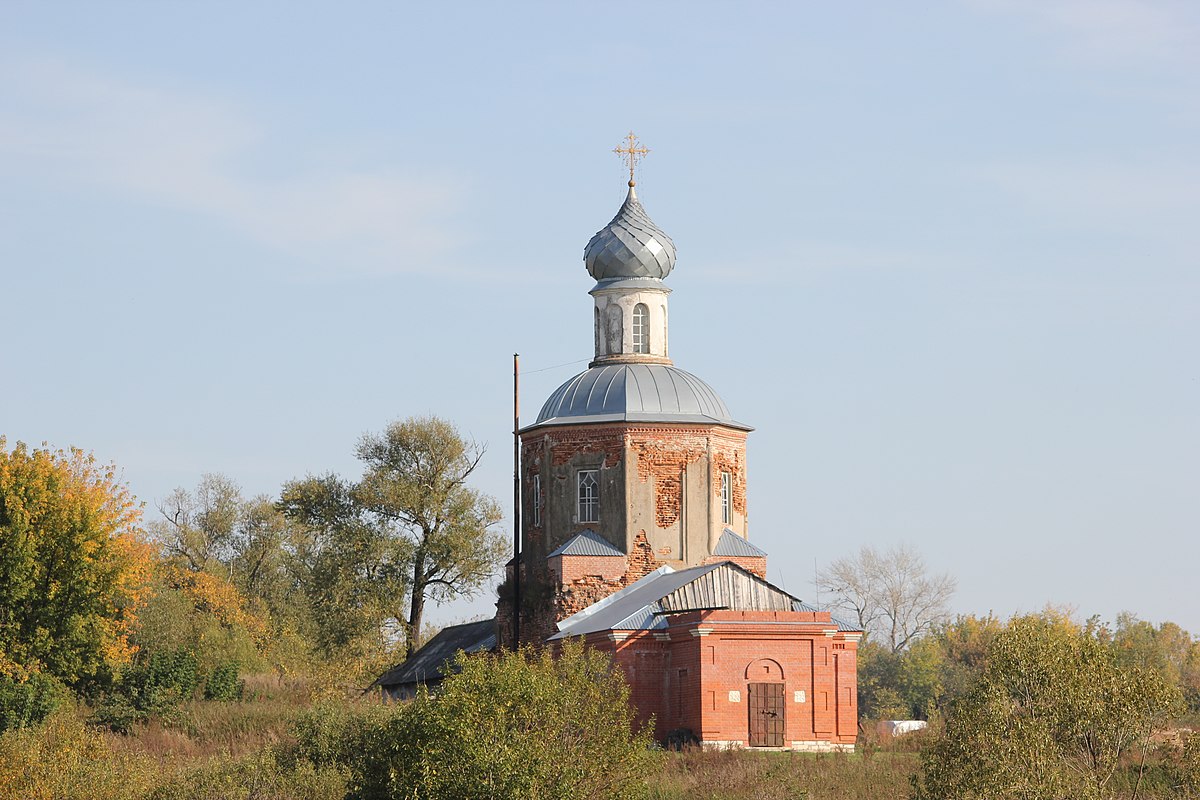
889	594
224	684
259	776
1051	717
204	615
511	725
1167	649
73	565
28	702
353	575
410	522
157	685
65	759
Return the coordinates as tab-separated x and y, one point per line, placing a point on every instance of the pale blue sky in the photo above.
942	255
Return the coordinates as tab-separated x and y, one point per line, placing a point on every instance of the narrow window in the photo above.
641	328
537	501
589	496
726	498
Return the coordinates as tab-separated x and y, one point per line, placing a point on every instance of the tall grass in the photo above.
748	775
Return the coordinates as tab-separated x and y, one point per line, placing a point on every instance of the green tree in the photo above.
351	571
511	725
1051	717
73	565
412	511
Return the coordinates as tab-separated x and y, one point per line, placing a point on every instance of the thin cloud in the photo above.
62	124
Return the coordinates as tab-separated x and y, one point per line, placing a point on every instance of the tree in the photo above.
351	570
415	480
1051	717
199	528
889	594
73	564
411	512
511	725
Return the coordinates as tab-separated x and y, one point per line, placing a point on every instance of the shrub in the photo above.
1052	716
260	776
224	683
28	702
157	686
64	759
511	725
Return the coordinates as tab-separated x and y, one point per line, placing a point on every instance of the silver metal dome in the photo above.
635	393
631	246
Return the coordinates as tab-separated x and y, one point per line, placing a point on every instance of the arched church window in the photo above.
641	328
589	495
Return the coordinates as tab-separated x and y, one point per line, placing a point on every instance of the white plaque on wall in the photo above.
800	697
735	696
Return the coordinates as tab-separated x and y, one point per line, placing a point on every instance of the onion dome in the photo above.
635	393
631	246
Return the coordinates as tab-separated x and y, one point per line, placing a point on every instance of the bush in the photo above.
224	684
260	776
158	686
510	725
64	759
28	702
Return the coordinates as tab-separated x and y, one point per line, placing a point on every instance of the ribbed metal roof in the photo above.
635	393
631	246
429	664
641	605
586	543
730	544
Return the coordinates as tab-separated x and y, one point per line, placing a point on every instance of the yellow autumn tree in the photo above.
74	564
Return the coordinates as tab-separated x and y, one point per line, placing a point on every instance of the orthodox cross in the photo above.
632	152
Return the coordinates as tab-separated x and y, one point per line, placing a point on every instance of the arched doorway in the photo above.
766	706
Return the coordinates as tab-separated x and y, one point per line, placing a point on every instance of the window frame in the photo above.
640	329
536	515
592	506
726	497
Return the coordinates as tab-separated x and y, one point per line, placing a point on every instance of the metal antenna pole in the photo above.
516	631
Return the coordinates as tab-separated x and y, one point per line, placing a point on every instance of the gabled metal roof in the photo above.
730	544
586	543
635	393
645	604
429	664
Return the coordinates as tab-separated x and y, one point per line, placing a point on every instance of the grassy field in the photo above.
247	751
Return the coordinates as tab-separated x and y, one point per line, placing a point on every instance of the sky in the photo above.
942	256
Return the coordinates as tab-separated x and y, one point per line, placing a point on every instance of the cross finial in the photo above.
632	152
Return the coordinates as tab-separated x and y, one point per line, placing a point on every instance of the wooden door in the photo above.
766	714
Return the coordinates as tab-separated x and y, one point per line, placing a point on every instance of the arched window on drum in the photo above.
641	328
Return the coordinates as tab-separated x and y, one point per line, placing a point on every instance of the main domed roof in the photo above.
635	393
631	246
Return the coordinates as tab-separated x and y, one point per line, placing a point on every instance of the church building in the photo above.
635	533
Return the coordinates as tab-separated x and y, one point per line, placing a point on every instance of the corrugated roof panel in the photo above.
586	543
730	544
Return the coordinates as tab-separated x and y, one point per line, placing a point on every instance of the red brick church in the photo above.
635	536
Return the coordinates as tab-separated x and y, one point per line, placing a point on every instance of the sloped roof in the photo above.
429	663
643	604
587	543
730	544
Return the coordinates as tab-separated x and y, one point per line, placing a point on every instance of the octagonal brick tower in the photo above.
632	463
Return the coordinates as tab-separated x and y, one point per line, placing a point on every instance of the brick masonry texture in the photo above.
690	677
